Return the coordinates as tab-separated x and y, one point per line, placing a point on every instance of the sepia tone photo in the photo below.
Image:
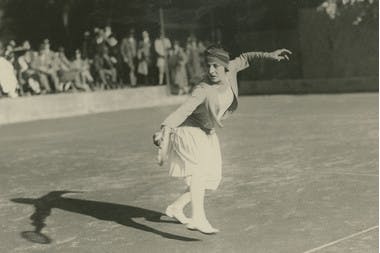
190	126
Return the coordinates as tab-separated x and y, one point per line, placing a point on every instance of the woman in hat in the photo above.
187	139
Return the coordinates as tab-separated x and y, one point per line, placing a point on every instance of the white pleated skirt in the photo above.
193	152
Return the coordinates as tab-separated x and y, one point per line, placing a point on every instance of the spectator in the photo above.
9	51
108	32
177	67
201	50
8	80
194	64
99	40
83	67
128	50
46	66
115	55
86	46
69	76
93	46
105	69
161	46
28	77
144	57
26	45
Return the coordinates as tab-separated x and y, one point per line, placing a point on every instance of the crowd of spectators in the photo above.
102	62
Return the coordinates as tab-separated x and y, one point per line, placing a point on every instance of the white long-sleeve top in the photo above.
8	80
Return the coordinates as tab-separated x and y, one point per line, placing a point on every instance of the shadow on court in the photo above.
121	214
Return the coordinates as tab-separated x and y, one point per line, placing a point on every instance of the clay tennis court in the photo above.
300	174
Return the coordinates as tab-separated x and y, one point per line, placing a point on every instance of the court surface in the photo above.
300	174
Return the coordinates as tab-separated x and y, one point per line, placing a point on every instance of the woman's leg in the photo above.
161	72
199	220
182	201
176	208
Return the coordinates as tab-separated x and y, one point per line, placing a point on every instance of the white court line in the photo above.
348	173
342	239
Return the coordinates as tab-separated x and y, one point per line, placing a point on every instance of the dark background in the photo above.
322	47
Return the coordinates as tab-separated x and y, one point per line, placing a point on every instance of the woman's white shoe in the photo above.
173	212
206	229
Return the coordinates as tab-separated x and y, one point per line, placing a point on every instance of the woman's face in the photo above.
216	72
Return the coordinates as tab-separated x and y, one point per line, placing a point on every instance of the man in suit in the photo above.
128	50
161	46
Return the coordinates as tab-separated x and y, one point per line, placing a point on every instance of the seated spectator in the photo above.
28	77
45	65
68	76
104	68
26	45
83	68
8	80
9	51
107	32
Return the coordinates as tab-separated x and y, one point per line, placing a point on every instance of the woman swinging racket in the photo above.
187	140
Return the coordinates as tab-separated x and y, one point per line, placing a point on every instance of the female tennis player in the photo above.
187	140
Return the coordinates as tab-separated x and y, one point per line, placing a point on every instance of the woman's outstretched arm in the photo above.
246	59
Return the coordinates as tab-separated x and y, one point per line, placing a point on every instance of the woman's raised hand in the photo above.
281	54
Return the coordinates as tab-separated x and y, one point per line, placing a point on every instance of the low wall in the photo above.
308	86
65	105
